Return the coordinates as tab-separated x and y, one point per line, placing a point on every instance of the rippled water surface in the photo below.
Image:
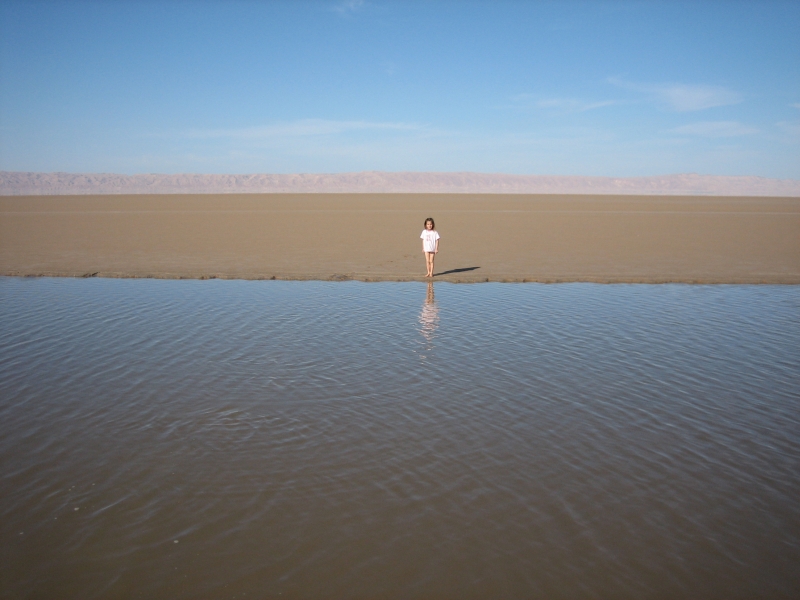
231	439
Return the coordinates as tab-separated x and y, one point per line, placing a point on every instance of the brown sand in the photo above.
376	237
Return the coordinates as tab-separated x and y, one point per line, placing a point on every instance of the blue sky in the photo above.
561	88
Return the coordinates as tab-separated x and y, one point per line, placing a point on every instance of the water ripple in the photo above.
185	439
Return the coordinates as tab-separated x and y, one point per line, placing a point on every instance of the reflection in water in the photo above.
429	317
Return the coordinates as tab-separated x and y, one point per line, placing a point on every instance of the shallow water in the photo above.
221	439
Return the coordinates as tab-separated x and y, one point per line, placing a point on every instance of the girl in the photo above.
430	244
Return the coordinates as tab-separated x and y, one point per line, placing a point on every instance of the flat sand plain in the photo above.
375	237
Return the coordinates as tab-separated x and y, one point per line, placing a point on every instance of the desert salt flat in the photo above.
219	439
485	237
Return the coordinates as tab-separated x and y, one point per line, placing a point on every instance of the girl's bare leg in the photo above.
429	256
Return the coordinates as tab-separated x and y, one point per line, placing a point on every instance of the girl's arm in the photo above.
436	251
423	246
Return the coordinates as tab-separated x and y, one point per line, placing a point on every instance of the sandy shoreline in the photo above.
375	237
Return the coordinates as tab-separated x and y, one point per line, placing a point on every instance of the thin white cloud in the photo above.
715	129
560	104
348	6
573	105
682	97
796	105
302	128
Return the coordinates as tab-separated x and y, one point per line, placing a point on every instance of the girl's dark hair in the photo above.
425	224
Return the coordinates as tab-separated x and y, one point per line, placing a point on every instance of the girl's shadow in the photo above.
455	271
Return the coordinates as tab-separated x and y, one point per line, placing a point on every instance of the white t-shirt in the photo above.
429	238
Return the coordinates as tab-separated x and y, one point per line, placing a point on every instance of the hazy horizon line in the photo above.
71	183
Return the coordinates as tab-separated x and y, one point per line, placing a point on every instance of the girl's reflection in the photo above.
429	317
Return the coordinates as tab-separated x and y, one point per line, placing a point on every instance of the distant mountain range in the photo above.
16	183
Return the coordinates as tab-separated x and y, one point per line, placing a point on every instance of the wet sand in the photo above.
375	237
